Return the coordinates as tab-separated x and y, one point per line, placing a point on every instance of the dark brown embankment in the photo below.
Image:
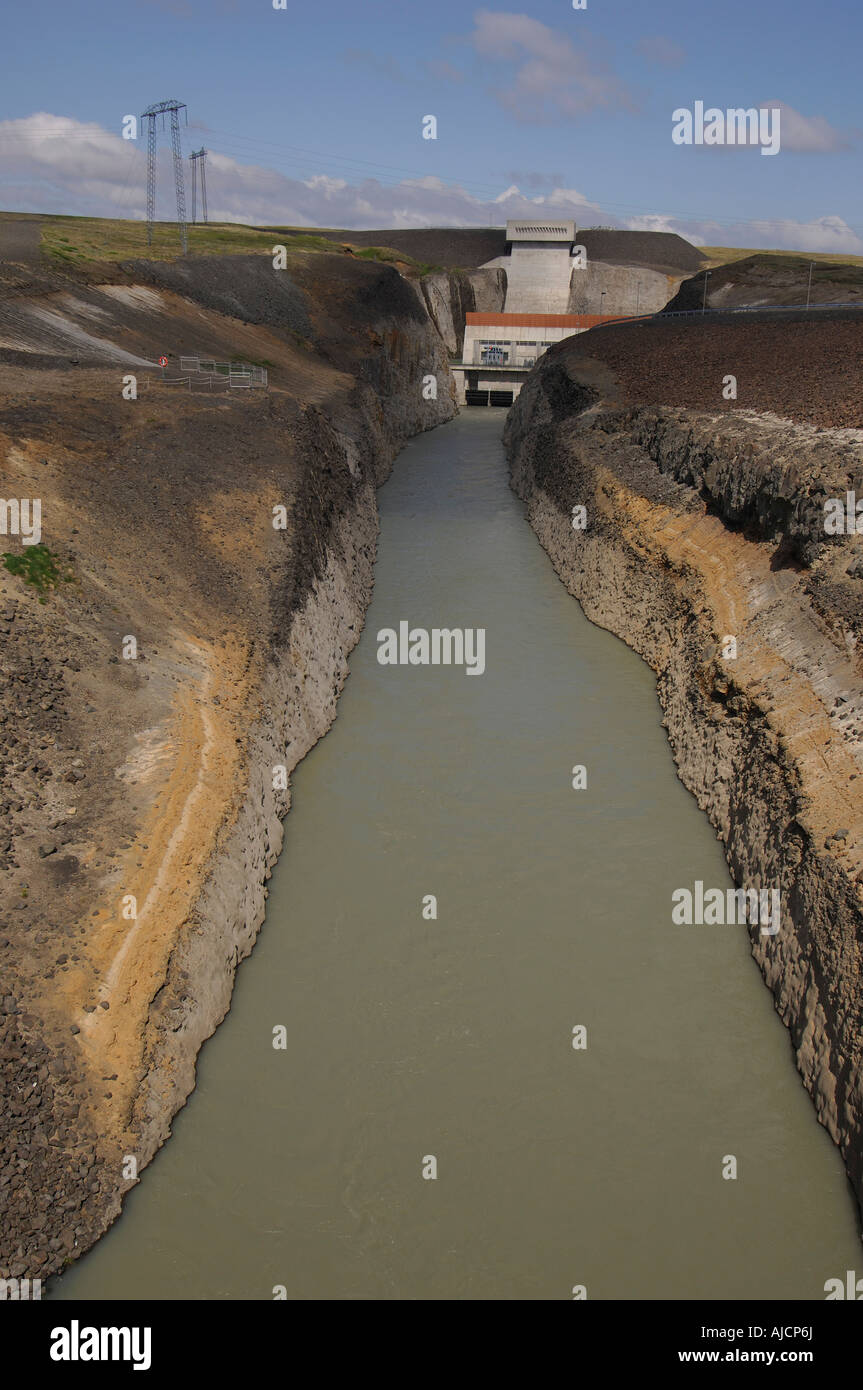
216	555
703	526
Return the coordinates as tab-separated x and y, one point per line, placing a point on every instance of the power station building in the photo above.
500	349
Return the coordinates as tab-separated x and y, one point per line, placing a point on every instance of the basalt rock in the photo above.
702	528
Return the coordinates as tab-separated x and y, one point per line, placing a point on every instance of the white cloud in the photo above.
55	164
553	79
659	222
569	197
61	143
808	134
830	234
821	234
51	163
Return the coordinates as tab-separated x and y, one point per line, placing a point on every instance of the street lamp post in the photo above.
704	300
809	286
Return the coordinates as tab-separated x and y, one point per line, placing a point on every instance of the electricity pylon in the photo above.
193	160
158	109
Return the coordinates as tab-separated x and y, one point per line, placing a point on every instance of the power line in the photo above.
343	163
296	157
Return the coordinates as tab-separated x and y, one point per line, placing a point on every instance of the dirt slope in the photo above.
803	368
469	247
132	779
768	279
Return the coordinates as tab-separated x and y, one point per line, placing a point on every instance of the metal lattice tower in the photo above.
204	181
158	109
193	160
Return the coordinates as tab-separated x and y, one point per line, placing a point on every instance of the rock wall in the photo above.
450	297
317	624
698	530
298	702
244	633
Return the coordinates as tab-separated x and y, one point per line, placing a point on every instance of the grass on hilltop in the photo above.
79	240
724	255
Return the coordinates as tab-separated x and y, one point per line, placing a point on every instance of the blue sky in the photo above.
313	114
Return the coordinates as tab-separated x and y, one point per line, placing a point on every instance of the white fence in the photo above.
205	373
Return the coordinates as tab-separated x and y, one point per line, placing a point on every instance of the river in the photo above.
410	1038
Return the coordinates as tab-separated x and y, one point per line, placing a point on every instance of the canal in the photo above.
413	1037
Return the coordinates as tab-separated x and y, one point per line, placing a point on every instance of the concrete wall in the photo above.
537	278
467	378
543	279
629	289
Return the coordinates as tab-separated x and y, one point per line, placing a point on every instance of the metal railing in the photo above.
207	372
661	314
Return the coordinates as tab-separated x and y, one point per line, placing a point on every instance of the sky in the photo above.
314	114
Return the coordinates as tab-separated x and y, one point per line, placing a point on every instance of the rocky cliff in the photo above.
450	297
701	527
211	556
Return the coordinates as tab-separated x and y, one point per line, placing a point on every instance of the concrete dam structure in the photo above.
538	266
554	288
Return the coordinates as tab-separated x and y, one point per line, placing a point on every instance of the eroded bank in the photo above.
217	557
702	527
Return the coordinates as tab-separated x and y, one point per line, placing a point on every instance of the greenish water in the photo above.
452	1037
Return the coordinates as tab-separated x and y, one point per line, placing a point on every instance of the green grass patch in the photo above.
723	255
387	256
37	567
381	253
83	239
115	239
306	241
110	239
